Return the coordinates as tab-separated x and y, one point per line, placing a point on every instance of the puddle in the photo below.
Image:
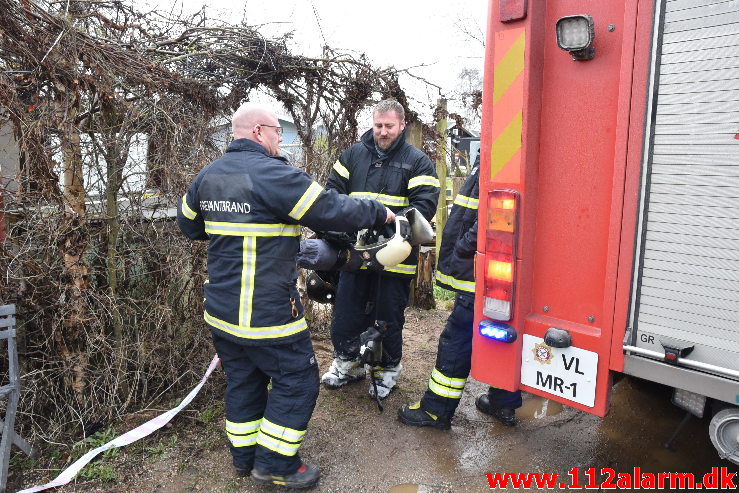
536	407
555	438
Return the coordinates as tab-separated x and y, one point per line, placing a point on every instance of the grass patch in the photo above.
97	469
212	414
22	461
441	294
158	450
444	297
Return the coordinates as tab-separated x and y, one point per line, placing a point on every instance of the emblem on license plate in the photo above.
542	353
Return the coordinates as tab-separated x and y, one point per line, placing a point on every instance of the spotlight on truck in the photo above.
575	33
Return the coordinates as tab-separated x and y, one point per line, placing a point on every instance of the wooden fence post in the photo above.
423	292
441	169
422	287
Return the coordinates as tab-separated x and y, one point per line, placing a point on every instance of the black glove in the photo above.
338	239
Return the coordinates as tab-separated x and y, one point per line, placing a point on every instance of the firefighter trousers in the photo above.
266	427
362	298
453	362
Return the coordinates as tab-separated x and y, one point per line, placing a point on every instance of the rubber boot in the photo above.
414	415
305	477
342	372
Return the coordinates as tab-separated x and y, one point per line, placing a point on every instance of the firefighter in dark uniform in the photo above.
382	166
455	271
250	204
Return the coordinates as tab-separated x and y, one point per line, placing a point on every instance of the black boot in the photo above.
305	477
412	414
243	469
506	415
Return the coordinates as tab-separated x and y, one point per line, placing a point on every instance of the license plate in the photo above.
569	373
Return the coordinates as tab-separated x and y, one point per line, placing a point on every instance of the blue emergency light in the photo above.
498	331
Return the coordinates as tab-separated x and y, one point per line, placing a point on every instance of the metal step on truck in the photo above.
609	203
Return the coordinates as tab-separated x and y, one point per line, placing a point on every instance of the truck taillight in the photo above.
500	254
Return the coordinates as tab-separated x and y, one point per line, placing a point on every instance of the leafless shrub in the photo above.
114	113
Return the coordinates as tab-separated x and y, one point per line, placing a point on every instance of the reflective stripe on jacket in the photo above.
403	177
250	205
455	264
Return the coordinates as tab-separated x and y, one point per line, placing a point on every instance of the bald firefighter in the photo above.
249	205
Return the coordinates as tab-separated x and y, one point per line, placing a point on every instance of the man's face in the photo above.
270	136
386	128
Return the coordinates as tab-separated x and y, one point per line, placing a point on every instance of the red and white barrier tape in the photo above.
129	437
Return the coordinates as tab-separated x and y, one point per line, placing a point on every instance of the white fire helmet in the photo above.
388	252
371	250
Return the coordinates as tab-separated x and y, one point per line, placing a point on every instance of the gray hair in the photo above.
389	105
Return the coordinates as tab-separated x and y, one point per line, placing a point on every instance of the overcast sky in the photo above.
434	39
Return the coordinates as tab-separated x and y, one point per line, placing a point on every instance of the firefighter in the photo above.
250	204
455	271
385	167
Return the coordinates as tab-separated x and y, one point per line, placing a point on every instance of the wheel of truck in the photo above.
724	433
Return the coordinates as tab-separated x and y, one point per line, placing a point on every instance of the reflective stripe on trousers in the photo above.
282	413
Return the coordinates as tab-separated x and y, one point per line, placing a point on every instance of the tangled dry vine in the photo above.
113	112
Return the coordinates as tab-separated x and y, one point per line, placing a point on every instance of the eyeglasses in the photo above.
276	127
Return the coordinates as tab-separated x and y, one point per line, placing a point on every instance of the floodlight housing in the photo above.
575	33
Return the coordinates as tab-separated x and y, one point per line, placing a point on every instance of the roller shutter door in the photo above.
687	290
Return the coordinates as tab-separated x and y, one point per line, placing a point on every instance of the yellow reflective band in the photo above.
248	270
242	434
392	200
281	432
444	386
251	229
248	332
402	269
242	441
398	269
341	170
278	446
442	391
280	439
304	203
457	383
510	65
465	201
506	128
467	286
417	181
243	428
186	211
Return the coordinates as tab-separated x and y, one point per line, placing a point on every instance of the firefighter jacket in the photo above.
403	176
455	265
250	206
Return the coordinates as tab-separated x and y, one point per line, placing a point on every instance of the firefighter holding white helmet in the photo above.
384	167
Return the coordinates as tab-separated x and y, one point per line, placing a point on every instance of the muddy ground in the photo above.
362	450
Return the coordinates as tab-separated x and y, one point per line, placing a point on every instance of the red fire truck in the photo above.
609	195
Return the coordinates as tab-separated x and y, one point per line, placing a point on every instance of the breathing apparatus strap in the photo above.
376	284
374	386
